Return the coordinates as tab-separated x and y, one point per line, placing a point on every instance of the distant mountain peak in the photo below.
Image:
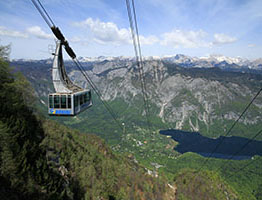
212	60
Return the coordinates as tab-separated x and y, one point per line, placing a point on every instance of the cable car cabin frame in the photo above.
60	104
69	99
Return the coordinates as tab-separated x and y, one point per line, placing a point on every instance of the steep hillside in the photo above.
193	99
89	165
205	100
208	100
204	185
24	171
40	159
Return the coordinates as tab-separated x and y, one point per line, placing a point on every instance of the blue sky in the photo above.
166	27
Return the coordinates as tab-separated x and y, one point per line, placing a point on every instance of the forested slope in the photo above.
41	159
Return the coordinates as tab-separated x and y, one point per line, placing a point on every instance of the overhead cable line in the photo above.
49	22
244	111
139	49
138	55
237	152
71	53
46	13
141	58
89	80
252	172
242	168
244	146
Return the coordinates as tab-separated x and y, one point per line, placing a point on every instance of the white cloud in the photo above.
35	30
221	38
79	40
11	33
75	39
186	39
39	33
108	32
148	40
251	45
104	32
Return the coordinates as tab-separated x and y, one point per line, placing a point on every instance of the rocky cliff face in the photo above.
197	99
191	99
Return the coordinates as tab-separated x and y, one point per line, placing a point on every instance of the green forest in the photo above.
42	158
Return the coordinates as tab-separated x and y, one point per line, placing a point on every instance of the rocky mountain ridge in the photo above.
212	60
197	99
177	95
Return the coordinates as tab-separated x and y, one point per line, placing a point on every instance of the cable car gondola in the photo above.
69	99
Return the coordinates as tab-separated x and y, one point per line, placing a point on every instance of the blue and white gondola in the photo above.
69	99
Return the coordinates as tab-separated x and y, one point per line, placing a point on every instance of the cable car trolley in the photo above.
69	99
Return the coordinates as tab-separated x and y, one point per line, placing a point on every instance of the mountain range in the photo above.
184	60
180	96
204	94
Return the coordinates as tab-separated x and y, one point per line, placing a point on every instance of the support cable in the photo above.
246	108
244	146
46	13
242	168
42	14
141	58
237	152
71	53
138	55
92	84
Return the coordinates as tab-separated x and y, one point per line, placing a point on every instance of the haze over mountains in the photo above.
194	94
207	99
223	62
182	127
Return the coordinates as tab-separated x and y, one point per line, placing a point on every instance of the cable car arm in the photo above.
59	35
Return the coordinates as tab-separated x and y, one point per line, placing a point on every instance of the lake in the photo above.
195	142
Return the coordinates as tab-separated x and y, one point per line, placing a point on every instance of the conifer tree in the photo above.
23	163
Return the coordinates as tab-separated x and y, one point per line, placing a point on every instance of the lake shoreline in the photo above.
233	147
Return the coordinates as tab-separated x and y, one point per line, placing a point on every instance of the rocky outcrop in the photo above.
180	98
188	98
